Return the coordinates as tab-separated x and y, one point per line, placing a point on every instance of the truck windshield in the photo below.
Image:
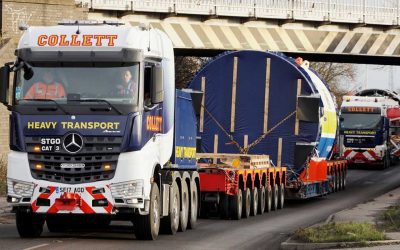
118	85
360	121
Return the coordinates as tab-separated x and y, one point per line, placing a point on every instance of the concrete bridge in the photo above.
364	31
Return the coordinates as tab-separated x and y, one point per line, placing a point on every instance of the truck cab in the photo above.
92	128
364	131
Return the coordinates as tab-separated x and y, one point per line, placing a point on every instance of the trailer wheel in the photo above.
335	182
344	180
194	205
184	213
339	180
246	203
281	195
29	225
170	223
254	202
275	197
147	227
261	200
236	205
268	199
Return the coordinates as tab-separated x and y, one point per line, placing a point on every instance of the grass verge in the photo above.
340	232
391	219
3	176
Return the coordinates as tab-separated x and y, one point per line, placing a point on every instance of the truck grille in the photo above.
99	156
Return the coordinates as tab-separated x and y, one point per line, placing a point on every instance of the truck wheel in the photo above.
387	161
29	225
236	205
261	200
281	195
268	199
194	205
184	214
170	223
147	227
254	202
224	206
275	197
246	203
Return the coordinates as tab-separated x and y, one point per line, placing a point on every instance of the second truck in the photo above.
367	127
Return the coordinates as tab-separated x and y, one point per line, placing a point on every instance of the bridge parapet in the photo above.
373	12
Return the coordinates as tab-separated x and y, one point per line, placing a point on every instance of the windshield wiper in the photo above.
48	100
97	100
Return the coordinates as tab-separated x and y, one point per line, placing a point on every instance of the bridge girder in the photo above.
326	42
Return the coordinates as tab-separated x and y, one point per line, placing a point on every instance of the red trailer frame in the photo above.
227	180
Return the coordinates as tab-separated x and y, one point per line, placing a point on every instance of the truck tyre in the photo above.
224	206
268	199
246	203
29	225
254	201
275	197
281	195
147	227
236	205
261	200
386	161
184	213
170	223
194	205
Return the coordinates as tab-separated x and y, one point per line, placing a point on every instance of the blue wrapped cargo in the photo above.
265	103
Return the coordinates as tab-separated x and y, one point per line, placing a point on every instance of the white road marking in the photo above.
34	247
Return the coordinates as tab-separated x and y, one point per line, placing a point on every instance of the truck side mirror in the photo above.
4	84
157	85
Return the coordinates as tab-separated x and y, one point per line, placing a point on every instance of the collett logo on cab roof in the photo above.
77	40
361	109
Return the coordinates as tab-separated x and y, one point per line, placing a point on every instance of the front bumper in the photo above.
51	198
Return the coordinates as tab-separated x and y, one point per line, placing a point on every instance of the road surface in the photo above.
261	232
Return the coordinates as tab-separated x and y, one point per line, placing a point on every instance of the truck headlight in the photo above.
127	189
19	188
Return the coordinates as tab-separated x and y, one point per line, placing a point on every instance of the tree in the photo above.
338	76
185	69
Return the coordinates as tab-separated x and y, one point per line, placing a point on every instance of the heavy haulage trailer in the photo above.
88	148
264	107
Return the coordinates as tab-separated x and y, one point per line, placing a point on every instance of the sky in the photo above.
374	76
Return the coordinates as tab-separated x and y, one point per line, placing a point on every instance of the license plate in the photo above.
50	144
60	190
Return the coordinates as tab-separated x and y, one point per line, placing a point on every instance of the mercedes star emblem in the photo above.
73	143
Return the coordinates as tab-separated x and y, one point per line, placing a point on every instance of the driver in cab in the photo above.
48	88
128	86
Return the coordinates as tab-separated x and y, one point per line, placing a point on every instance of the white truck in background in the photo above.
365	128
